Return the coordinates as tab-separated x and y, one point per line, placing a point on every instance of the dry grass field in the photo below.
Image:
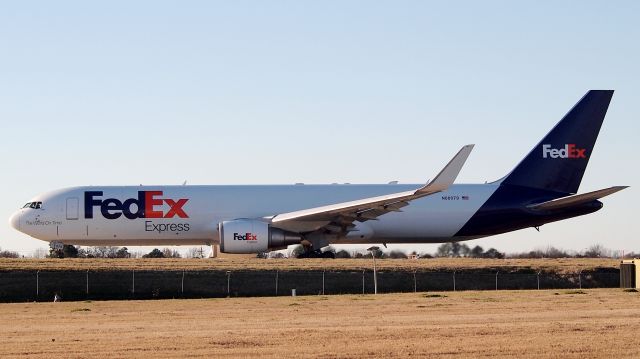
572	265
598	323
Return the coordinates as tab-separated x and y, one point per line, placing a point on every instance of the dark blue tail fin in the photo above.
558	162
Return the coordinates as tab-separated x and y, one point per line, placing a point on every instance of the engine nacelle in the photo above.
253	236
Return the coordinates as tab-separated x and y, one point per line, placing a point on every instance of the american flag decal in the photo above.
465	198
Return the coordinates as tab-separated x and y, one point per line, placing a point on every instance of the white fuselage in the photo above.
189	215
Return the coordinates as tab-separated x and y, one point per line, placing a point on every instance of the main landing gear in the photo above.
311	253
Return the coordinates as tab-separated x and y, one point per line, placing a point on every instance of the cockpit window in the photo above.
34	205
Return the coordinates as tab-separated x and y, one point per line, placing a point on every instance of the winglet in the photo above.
448	174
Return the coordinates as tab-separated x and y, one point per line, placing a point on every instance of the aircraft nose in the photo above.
15	220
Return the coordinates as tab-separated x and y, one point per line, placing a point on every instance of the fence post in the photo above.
276	282
454	280
538	279
182	284
323	281
133	282
37	284
497	280
228	283
87	282
363	281
415	283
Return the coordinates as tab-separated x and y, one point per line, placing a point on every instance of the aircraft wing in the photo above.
339	217
576	199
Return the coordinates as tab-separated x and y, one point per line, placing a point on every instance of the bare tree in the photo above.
451	249
171	253
465	251
444	250
597	251
553	252
8	254
40	253
195	252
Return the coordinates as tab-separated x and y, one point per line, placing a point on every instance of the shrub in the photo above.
155	253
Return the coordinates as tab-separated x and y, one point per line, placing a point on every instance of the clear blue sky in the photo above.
159	92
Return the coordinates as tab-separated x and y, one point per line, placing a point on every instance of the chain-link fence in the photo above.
16	286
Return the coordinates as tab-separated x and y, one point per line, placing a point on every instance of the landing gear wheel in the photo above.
311	254
316	254
328	254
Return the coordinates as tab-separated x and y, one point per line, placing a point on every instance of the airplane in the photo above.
541	189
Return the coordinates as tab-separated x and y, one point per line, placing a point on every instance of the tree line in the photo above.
445	250
453	249
69	251
462	250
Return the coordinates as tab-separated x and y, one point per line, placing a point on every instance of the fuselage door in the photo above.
72	208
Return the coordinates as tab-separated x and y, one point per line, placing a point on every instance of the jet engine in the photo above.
253	236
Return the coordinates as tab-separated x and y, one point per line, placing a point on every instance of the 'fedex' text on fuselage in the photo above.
145	204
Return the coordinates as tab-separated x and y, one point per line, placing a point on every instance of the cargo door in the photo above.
72	208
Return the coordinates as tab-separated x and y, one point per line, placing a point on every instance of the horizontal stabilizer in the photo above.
576	199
